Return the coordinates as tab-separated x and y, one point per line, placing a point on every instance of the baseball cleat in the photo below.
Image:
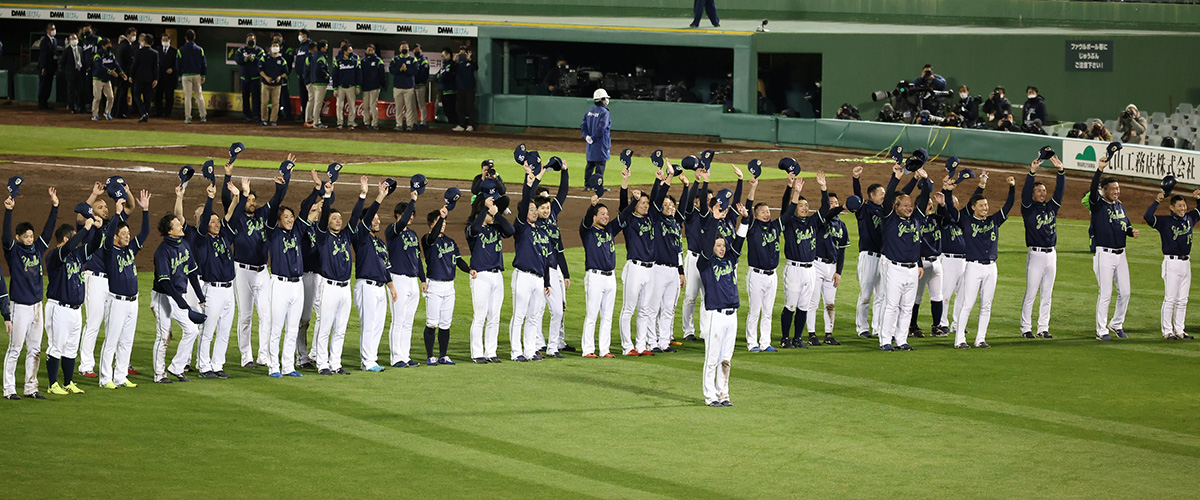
222	374
916	332
181	377
128	385
73	389
521	359
670	349
963	345
479	361
798	343
536	357
813	340
905	347
865	335
325	371
445	360
568	348
938	331
1045	335
109	385
399	364
293	374
13	397
689	337
494	360
983	345
829	340
341	371
770	349
754	349
431	362
375	369
590	355
57	390
412	363
676	342
647	353
89	374
1103	337
1170	336
1120	332
275	375
163	380
208	375
131	371
188	369
656	350
35	395
714	404
1184	336
886	347
607	355
249	365
785	344
308	365
555	355
633	353
726	403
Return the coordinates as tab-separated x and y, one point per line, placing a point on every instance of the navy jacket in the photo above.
247	58
597	124
464	73
348	72
373	75
192	61
318	68
403	78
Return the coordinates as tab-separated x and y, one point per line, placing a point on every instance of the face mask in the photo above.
250	44
300	38
274	50
166	45
53	33
1031	96
818	84
74	43
963	95
87	32
403	52
417	53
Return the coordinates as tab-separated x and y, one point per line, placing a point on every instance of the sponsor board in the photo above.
1134	160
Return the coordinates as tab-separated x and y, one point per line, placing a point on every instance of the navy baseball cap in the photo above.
14	185
1168	184
489	187
519	154
452	196
185	174
534	160
596	184
853	203
916	161
706	156
417	183
197	317
964	174
691	162
676	170
285	169
234	149
627	157
1112	149
334	170
790	165
116	187
952	165
389	185
724	198
755	167
209	172
896	153
1045	153
555	163
657	158
82	208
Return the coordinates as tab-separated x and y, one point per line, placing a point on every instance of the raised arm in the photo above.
1027	191
1150	216
563	186
7	238
51	220
1094	188
1060	182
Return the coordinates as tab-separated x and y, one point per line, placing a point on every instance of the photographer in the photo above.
930	79
1098	132
487	171
1132	126
847	112
1034	110
968	107
997	107
554	77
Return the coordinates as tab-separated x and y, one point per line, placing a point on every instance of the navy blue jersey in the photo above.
982	235
639	237
931	235
487	252
97	257
550	225
214	254
834	240
1109	224
902	235
668	243
308	237
800	235
693	217
404	251
173	264
333	249
120	267
531	251
718	275
64	269
370	254
25	261
1041	219
870	223
250	241
1175	231
599	249
441	257
285	247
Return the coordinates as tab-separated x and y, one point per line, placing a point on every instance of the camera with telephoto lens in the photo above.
1128	114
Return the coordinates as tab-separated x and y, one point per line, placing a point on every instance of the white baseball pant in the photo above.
952	274
118	340
898	300
287	301
823	296
487	297
372	302
439	304
404	313
664	296
799	282
95	303
312	301
1177	280
555	339
931	280
693	293
164	309
251	294
1110	266
528	308
331	325
761	289
870	294
718	355
636	295
214	334
1040	269
600	293
26	333
978	280
63	328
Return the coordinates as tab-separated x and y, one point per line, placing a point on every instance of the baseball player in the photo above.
23	252
373	288
695	209
981	232
870	294
718	270
831	256
120	249
900	267
285	236
531	268
597	230
174	268
595	130
1109	228
638	270
931	264
668	277
484	236
726	225
333	246
408	277
96	294
211	241
64	298
560	275
764	235
251	281
1175	230
347	78
954	259
312	271
800	234
442	257
1040	214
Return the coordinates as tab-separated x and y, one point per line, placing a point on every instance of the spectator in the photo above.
126	48
193	67
404	73
1035	108
145	76
71	66
968	107
445	80
705	6
1078	131
46	66
374	78
997	107
273	71
299	62
1098	132
347	78
464	88
247	58
554	77
168	77
421	82
1132	126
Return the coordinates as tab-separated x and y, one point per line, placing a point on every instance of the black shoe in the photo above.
308	365
180	377
1028	335
939	331
341	371
249	365
188	369
536	357
785	344
480	361
916	332
714	404
208	375
670	349
829	340
865	335
555	355
543	349
689	337
1046	335
568	348
222	374
493	360
812	340
144	119
963	345
163	380
798	343
13	397
656	350
399	364
983	345
726	403
35	395
325	371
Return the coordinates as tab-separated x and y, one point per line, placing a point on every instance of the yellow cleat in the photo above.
129	384
74	389
57	390
109	385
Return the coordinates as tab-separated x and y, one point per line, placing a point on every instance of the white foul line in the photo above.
132	147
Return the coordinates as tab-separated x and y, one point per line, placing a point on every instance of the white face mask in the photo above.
300	38
274	50
74	43
166	45
53	33
963	95
1031	96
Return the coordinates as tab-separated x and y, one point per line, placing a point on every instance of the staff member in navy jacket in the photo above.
1109	228
718	270
595	129
23	252
1175	230
404	68
299	62
47	66
374	78
982	232
484	237
446	86
464	89
318	82
347	83
273	70
126	49
247	58
1040	214
421	82
193	67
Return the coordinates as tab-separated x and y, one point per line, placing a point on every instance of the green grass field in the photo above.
1064	418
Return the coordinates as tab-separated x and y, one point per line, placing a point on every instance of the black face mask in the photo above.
250	44
87	33
417	53
404	52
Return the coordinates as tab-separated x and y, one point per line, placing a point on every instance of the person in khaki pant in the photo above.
193	68
421	86
404	68
318	81
346	84
273	70
373	79
104	70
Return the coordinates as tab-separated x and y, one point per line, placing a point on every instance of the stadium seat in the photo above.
1153	139
1184	108
1158	117
1111	125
